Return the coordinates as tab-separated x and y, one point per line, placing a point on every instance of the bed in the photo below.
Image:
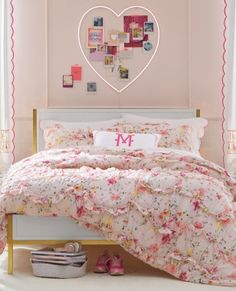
25	230
22	229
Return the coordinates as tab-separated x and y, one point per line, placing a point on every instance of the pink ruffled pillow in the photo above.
181	136
58	137
58	134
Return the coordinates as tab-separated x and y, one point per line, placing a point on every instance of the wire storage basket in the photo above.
51	264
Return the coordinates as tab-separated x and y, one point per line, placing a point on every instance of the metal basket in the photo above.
50	270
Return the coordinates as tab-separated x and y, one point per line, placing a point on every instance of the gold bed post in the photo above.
10	244
198	113
34	131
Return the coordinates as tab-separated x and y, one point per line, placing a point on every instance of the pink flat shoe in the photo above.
116	266
102	263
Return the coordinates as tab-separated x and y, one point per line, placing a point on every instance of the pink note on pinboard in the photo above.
76	72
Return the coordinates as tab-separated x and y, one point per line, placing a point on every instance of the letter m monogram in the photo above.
124	138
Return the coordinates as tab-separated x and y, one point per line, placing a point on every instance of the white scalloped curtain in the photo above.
6	144
231	66
230	88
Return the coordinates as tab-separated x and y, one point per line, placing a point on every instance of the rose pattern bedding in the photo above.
181	137
171	209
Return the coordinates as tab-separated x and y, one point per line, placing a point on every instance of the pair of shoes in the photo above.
109	264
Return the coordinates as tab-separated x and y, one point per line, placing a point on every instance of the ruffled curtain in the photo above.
6	85
230	85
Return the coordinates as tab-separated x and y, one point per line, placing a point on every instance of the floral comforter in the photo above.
172	210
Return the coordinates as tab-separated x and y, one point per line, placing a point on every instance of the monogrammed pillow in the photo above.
122	140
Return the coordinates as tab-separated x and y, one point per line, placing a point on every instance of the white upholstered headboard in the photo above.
98	114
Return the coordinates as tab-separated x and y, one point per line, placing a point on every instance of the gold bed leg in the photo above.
10	244
198	113
34	131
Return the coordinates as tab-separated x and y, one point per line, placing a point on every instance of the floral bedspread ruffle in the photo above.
172	210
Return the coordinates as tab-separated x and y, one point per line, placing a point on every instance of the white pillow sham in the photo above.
197	123
122	140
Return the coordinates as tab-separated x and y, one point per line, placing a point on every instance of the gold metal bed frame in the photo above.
11	242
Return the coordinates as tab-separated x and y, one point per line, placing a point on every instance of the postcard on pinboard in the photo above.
147	46
67	81
76	72
91	87
95	36
95	55
123	37
98	21
111	50
126	53
148	27
134	24
113	37
108	61
124	73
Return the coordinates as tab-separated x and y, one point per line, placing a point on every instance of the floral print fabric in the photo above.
57	136
174	211
182	137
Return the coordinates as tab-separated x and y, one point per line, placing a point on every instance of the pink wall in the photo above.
166	79
206	47
186	71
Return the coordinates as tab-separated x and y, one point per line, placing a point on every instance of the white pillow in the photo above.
197	123
122	140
